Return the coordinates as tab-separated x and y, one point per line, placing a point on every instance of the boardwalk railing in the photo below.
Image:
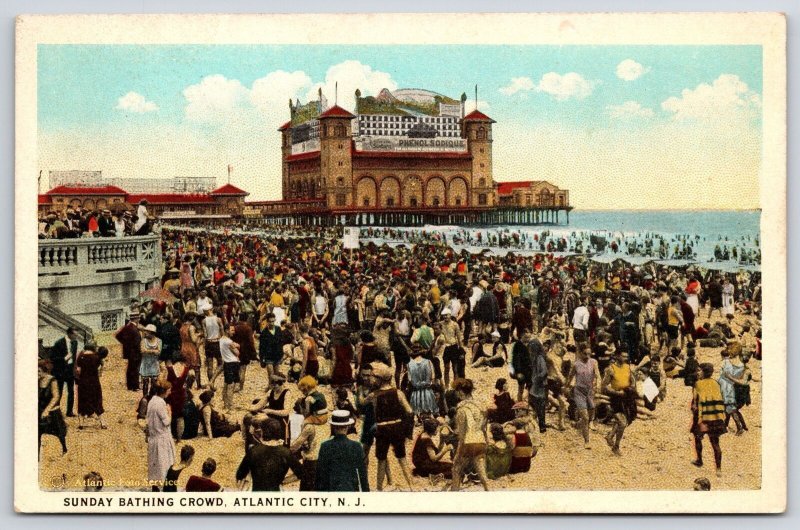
65	255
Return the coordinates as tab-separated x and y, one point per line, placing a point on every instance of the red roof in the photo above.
335	112
285	126
302	156
171	198
229	189
87	190
477	115
44	199
505	188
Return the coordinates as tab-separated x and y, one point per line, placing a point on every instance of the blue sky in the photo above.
534	92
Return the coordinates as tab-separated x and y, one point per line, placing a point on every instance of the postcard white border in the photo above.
765	29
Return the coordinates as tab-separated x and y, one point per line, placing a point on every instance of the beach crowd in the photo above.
359	353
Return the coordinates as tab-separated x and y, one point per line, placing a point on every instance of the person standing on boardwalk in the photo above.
341	465
708	415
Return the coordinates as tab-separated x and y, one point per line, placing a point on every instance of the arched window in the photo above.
482	182
436	201
339	131
340	181
413	201
481	133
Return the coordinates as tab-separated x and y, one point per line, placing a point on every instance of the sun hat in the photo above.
151	328
341	418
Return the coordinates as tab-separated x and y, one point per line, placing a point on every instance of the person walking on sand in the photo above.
620	385
391	413
470	426
88	366
160	446
229	354
586	375
341	465
130	337
708	415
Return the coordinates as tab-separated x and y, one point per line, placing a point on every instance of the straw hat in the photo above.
151	328
341	418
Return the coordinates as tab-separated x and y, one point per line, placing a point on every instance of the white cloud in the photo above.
726	98
218	100
629	109
630	70
469	105
351	75
563	87
135	102
272	92
518	84
215	99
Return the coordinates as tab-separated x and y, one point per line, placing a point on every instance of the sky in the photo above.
634	127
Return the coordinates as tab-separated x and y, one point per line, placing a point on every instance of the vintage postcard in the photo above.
417	263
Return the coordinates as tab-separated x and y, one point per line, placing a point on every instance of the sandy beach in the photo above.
656	452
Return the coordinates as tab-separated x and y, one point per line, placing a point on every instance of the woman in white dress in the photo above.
160	446
727	297
141	216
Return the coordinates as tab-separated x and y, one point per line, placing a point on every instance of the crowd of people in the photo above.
82	222
377	344
743	250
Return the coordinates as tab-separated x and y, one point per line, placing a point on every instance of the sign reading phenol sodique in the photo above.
404	143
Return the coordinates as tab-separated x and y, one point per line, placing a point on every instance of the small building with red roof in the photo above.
227	201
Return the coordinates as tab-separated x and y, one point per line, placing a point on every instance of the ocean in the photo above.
705	230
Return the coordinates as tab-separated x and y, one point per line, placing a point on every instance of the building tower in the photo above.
476	127
286	151
336	164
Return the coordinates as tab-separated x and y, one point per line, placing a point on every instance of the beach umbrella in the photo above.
157	294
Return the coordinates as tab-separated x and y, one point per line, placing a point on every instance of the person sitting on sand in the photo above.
215	423
501	411
204	483
521	440
499	452
174	471
498	356
428	458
